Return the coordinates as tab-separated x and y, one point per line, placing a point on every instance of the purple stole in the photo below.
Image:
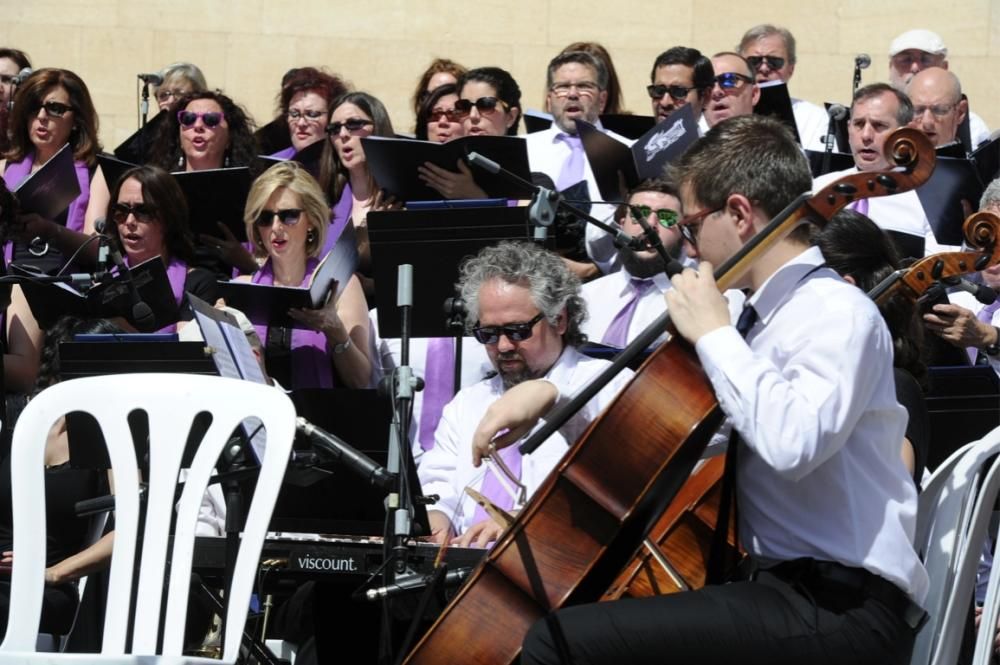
340	215
311	364
287	153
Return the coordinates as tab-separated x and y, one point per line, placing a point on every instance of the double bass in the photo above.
587	519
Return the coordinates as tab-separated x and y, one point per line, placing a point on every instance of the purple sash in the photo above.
340	215
18	171
311	364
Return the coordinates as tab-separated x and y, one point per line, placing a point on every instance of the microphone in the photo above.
151	79
862	61
413	583
485	163
340	451
23	74
980	292
142	315
837	112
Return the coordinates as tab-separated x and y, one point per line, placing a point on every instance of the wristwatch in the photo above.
994	349
342	346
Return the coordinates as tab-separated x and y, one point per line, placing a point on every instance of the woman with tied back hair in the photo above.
864	255
179	80
489	104
440	72
354	116
286	220
616	100
52	108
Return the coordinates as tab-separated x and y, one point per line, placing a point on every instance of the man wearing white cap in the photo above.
915	51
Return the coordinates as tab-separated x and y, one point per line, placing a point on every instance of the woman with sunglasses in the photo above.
286	219
52	108
148	218
489	104
437	119
352	117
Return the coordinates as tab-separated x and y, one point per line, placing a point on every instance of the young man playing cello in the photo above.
827	510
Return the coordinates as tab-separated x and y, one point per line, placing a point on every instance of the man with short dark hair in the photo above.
877	110
577	85
827	509
734	91
680	76
770	51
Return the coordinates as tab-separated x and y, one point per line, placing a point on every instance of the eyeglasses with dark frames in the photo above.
690	225
515	332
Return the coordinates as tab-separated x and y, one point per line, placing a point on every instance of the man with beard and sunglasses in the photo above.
524	305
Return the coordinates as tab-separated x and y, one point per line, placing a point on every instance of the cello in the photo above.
675	552
586	520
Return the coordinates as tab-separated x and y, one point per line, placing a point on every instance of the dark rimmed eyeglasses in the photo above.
352	125
55	109
452	115
677	92
309	115
209	118
484	105
773	61
142	212
690	225
665	217
287	216
163	95
732	80
515	332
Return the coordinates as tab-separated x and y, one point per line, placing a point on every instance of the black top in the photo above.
65	533
910	395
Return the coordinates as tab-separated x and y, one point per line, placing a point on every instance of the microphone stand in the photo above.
857	76
546	201
454	309
144	104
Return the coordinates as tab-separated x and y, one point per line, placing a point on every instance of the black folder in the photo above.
839	161
954	180
113	168
49	190
136	148
776	102
628	125
309	157
615	163
537	121
107	299
216	195
267	305
273	136
393	163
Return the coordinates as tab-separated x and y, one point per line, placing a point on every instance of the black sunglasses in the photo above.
353	125
732	80
287	216
773	62
143	213
484	104
677	92
515	332
55	109
210	118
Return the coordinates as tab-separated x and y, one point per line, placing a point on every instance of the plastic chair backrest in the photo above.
171	402
949	537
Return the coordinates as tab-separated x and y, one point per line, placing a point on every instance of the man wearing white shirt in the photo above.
877	110
916	50
578	88
827	509
938	105
733	92
524	307
680	76
622	304
770	51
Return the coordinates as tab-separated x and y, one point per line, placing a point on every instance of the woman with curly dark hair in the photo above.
208	131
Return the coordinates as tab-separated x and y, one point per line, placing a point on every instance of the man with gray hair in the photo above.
938	105
524	306
577	84
770	52
965	322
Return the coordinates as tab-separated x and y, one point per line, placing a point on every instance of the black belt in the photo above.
831	576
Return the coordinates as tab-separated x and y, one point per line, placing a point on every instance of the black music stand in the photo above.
435	242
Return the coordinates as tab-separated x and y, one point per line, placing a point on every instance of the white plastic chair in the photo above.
953	515
171	402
